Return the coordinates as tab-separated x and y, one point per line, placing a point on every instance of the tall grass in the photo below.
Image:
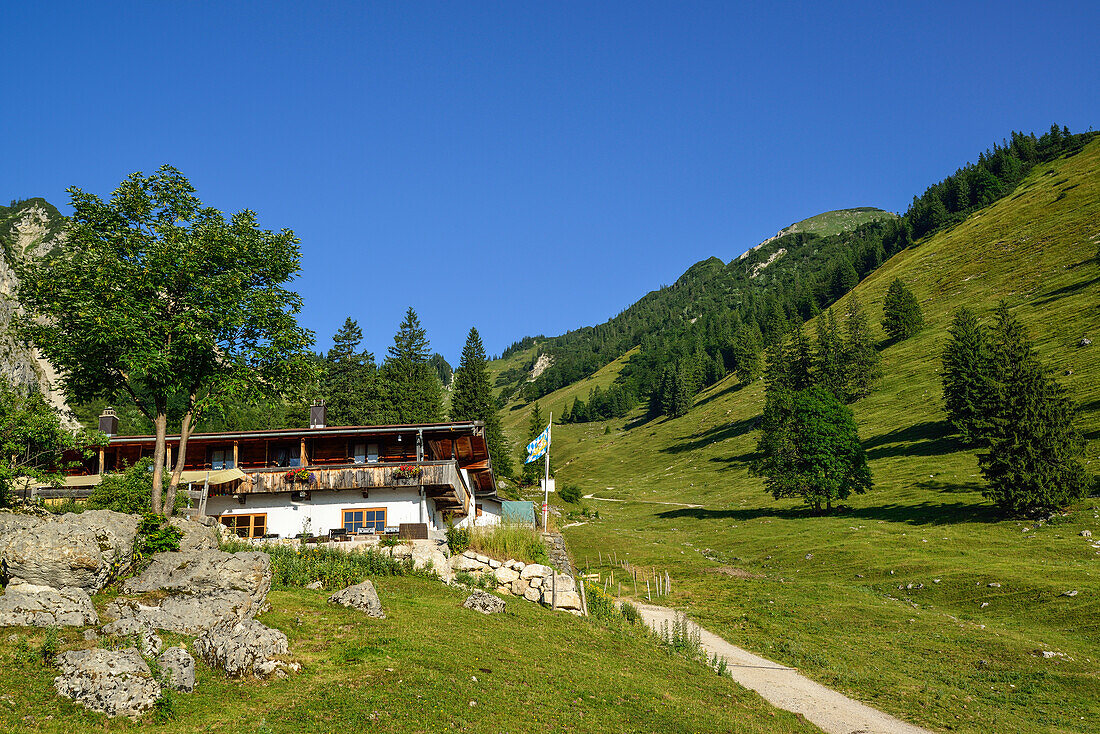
510	541
336	569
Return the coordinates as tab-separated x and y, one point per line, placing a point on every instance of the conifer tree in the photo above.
844	278
350	380
829	356
966	375
472	399
746	355
1033	461
861	359
681	396
415	393
901	313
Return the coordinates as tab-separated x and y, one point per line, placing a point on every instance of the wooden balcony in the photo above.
441	480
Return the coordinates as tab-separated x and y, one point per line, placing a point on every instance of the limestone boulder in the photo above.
85	550
178	669
246	648
563	583
480	601
192	591
196	535
532	594
112	682
147	640
467	564
535	570
363	597
32	605
565	599
519	587
505	575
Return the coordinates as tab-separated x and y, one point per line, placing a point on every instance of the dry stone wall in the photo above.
534	582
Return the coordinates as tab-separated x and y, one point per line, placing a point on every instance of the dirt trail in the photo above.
787	689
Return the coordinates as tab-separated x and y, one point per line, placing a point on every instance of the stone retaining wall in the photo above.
532	581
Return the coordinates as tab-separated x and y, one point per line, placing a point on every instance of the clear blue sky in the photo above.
527	168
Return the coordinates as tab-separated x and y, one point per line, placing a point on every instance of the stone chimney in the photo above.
317	414
108	421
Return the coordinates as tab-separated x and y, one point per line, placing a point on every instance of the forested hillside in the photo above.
718	317
919	596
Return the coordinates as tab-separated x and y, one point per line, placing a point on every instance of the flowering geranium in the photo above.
408	471
298	475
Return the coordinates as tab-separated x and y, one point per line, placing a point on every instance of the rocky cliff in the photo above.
28	229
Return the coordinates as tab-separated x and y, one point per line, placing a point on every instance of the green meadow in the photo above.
916	597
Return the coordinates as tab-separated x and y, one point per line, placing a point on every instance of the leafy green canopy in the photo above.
472	399
810	448
157	296
33	441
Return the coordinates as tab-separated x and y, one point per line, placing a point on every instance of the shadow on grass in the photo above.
930	438
718	433
1066	290
735	387
921	513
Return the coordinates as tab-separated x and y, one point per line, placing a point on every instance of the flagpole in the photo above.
546	481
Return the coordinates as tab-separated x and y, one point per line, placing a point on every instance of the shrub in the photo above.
630	613
510	540
570	493
48	649
154	536
458	539
129	492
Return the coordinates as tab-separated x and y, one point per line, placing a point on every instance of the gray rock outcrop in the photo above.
178	669
31	605
363	597
147	640
112	682
196	536
485	603
192	591
86	549
245	648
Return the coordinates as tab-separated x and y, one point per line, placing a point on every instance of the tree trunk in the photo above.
161	423
181	458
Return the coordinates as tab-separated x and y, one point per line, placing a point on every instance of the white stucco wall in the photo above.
490	513
324	509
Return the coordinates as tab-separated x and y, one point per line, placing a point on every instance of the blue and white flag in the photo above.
538	448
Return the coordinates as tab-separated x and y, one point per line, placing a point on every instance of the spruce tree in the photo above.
414	390
1033	461
901	313
844	278
350	382
829	356
746	351
472	399
861	359
966	376
681	396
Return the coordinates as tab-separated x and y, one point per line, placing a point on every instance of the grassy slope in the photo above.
933	655
515	415
839	220
415	671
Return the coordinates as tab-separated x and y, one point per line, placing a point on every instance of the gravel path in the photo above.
786	688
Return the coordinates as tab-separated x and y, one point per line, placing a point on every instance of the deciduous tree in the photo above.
157	296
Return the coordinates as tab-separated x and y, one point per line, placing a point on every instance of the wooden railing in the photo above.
434	474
